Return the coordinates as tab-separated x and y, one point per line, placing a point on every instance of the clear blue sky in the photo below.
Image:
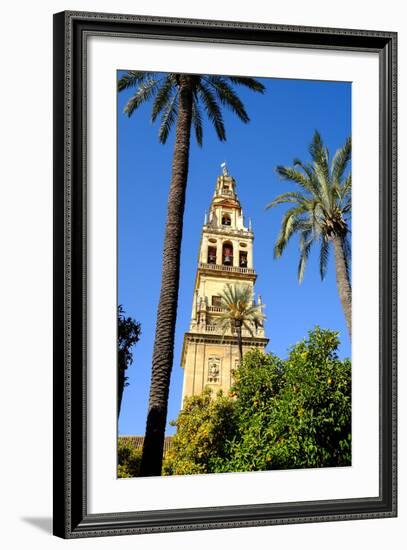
282	124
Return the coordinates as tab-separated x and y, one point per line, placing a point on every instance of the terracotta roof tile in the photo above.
137	441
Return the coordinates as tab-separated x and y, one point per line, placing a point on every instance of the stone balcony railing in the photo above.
259	333
226	229
216	309
208	328
228	268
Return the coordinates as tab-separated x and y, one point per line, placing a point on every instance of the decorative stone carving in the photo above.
214	370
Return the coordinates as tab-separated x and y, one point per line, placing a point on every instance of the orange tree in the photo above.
204	426
280	414
295	413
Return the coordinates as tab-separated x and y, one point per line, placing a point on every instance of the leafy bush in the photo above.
203	427
295	414
280	414
128	459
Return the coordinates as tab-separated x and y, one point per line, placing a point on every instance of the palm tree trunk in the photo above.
120	388
342	282
239	342
151	460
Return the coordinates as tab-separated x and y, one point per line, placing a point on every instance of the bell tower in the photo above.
210	356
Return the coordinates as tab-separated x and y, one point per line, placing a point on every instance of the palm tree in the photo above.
240	311
178	100
320	212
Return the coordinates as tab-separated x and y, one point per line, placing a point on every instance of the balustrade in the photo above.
230	268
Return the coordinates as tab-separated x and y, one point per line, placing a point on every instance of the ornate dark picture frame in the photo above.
71	517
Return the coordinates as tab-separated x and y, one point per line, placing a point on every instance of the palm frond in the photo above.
318	220
212	109
320	156
197	122
163	97
347	207
346	187
248	327
317	149
145	91
347	252
291	174
290	197
341	160
228	295
223	324
306	242
291	222
306	167
323	257
251	83
168	119
132	79
237	304
326	192
227	96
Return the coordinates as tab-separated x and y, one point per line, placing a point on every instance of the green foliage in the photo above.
301	418
320	210
209	92
128	459
281	414
239	311
237	302
128	334
203	427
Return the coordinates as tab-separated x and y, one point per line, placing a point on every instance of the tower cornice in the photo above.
205	338
227	272
224	232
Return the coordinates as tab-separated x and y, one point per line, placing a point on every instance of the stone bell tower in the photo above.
225	256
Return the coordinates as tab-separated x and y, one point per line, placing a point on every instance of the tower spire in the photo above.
224	168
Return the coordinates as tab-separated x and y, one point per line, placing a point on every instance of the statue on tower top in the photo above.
224	169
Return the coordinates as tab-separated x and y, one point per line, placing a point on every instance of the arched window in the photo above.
211	254
243	258
227	253
226	219
216	301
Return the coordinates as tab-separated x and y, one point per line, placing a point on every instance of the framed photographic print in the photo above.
224	274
